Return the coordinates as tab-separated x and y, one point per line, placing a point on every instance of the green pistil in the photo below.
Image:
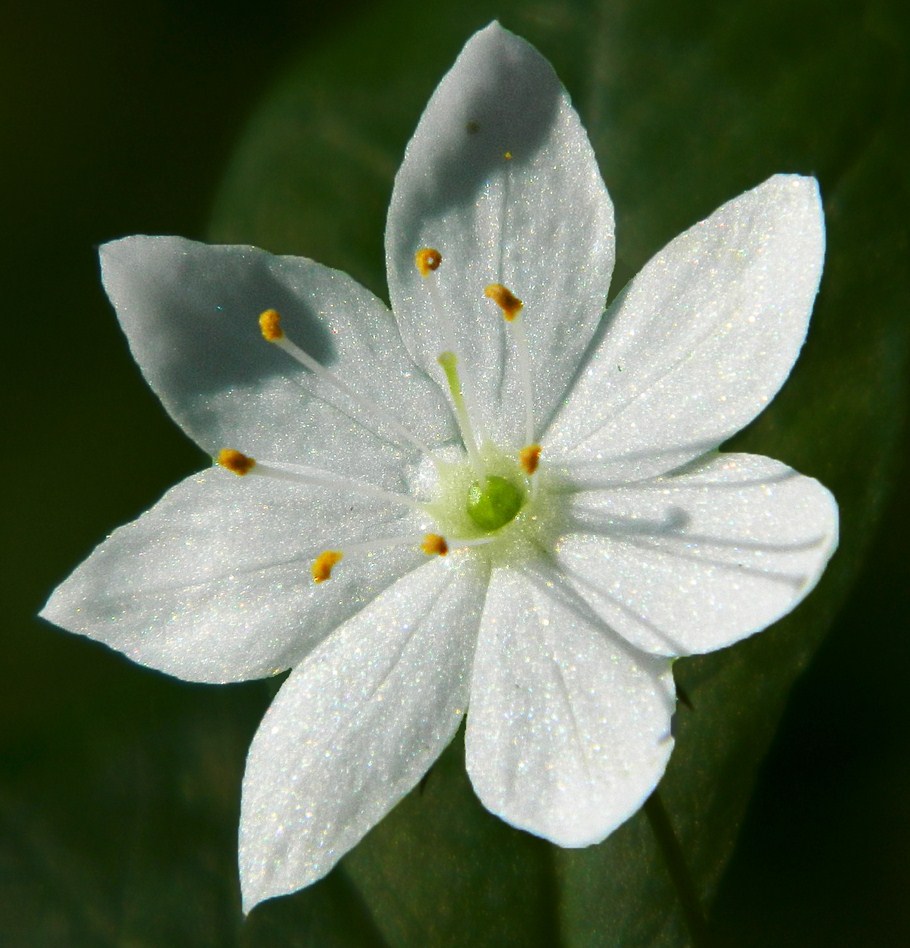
494	503
449	364
492	500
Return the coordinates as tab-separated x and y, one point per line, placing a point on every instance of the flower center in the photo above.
487	499
504	516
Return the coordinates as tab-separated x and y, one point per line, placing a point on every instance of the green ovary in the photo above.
494	502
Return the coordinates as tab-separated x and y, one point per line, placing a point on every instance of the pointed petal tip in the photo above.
567	830
251	896
110	250
797	191
120	258
258	884
495	37
249	900
599	830
60	609
263	889
46	614
493	28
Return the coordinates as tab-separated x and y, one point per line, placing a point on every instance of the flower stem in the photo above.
679	872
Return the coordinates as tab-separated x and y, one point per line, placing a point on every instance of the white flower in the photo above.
549	601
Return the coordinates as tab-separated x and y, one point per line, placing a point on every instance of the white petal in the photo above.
701	340
541	223
356	726
692	562
190	312
569	727
214	583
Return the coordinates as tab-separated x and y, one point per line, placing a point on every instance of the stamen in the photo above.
511	307
299	474
449	364
323	564
235	462
467	544
427	262
427	259
434	545
505	299
270	324
529	458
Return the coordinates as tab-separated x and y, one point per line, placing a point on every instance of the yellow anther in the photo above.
270	324
426	260
323	564
505	299
434	545
235	462
507	155
529	458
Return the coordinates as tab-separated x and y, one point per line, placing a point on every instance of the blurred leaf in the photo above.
140	864
152	860
687	106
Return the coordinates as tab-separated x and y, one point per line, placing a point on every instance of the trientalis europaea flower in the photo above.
496	500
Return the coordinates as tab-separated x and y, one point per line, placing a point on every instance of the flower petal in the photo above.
214	584
692	562
701	340
539	222
190	312
356	726
569	727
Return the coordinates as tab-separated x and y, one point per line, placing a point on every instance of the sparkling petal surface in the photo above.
356	726
700	341
569	726
213	583
693	562
655	546
539	222
190	312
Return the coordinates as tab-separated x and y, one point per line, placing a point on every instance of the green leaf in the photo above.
687	106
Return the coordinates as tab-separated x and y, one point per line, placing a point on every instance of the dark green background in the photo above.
119	788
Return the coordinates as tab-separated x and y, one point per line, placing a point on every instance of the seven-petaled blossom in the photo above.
498	501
